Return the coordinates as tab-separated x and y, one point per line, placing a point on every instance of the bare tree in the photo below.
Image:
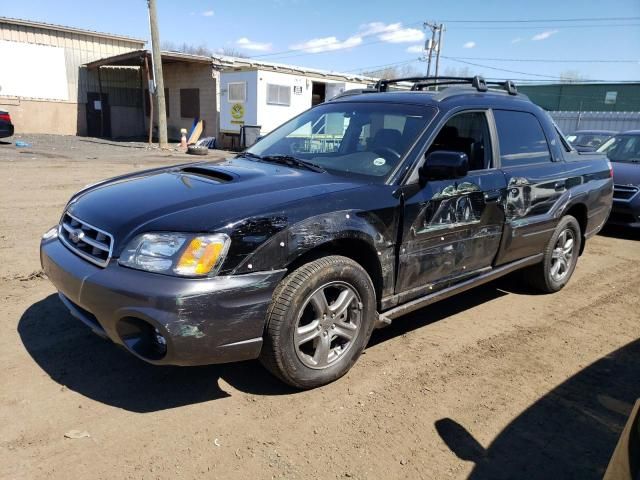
187	48
457	72
232	52
393	72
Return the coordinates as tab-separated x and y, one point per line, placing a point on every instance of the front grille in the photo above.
85	240
624	192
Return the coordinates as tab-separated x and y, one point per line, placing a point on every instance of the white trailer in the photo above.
267	95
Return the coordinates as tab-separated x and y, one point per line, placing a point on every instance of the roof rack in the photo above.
353	91
421	83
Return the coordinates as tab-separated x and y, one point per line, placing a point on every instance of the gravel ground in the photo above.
497	383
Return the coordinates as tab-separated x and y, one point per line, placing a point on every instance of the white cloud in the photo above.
416	48
516	40
389	33
469	45
544	35
244	42
327	44
208	13
392	33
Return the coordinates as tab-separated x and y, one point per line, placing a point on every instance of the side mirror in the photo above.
444	165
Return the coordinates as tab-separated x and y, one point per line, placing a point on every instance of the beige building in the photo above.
64	80
190	86
43	82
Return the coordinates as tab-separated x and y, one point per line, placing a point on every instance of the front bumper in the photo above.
626	212
203	321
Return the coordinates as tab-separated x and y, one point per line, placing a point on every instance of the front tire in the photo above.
560	257
319	322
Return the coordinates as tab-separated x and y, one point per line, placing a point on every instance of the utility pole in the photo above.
430	44
157	73
439	47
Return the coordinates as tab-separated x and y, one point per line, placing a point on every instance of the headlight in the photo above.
176	253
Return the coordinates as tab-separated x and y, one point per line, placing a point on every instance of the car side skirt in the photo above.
463	286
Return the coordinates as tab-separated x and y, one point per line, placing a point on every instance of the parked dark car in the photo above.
6	127
359	210
589	140
624	153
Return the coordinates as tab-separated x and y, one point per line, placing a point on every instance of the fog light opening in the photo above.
142	338
159	342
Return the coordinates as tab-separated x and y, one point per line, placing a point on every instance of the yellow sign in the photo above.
237	111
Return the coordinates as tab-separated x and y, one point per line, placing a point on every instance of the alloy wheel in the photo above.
327	325
562	255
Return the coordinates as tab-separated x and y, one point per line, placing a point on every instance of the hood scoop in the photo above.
208	173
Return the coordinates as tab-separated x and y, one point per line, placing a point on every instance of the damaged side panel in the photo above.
451	230
286	235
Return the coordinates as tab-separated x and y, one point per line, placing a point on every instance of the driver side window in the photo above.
467	133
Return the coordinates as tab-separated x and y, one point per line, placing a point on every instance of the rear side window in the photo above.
522	141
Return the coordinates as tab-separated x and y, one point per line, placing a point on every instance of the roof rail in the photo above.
420	83
353	91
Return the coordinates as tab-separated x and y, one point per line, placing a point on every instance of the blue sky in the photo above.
349	36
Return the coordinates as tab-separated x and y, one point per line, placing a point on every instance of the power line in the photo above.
542	20
501	69
300	52
379	67
294	50
542	81
546	60
543	77
536	27
305	52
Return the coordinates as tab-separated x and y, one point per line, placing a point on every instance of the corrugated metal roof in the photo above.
136	57
62	28
225	62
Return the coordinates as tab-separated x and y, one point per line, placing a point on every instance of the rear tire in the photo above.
319	322
560	257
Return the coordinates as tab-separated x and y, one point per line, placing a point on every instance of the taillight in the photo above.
5	117
610	170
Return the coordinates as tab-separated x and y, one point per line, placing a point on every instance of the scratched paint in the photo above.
189	331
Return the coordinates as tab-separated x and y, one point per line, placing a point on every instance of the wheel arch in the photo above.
580	213
354	247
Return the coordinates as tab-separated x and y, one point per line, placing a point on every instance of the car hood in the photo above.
199	197
626	173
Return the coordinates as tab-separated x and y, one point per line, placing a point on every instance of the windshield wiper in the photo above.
249	155
292	161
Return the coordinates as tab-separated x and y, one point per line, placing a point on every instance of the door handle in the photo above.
559	186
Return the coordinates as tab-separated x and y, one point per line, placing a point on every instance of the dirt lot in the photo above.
497	383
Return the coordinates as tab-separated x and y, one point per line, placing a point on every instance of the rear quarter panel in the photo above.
589	182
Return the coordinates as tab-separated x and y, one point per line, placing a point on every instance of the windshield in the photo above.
622	148
361	139
593	140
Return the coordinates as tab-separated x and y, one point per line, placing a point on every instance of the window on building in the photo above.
278	94
521	137
147	106
237	92
190	102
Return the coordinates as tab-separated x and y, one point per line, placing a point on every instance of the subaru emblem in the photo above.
76	235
